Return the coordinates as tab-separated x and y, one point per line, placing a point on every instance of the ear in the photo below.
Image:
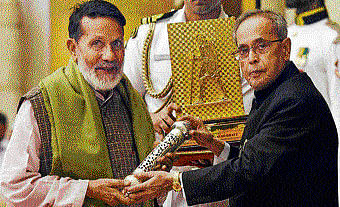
286	47
71	46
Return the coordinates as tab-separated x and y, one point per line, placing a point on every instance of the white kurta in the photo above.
320	62
20	181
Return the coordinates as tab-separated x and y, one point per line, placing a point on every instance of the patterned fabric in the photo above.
119	134
44	125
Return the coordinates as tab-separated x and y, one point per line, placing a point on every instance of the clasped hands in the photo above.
111	191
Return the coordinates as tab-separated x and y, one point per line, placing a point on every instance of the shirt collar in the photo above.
312	16
101	97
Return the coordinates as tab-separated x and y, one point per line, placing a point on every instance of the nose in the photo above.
253	56
109	54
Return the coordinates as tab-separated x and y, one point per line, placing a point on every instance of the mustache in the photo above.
107	66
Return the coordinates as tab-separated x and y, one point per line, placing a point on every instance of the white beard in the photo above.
102	82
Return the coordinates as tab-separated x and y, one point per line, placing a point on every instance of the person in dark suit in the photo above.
288	153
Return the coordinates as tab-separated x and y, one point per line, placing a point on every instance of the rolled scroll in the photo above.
171	142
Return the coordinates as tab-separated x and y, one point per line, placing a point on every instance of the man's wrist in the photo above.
176	184
216	146
89	191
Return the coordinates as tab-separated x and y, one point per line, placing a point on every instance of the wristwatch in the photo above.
176	184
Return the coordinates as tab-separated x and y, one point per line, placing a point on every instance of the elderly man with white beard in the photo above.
84	128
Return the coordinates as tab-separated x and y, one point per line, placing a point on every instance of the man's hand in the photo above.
165	163
155	184
163	120
108	190
203	136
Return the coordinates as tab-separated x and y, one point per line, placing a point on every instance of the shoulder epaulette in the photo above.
157	17
335	26
153	19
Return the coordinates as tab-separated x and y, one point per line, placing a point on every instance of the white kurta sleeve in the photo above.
21	183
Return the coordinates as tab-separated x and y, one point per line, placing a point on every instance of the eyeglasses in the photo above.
259	48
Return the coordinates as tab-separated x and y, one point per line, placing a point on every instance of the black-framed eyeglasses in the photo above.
260	47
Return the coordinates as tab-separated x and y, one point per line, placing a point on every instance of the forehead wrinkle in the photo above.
257	40
94	30
255	26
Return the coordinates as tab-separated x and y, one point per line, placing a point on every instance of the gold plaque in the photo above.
206	76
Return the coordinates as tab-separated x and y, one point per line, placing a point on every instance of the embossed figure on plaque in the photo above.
205	73
206	77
